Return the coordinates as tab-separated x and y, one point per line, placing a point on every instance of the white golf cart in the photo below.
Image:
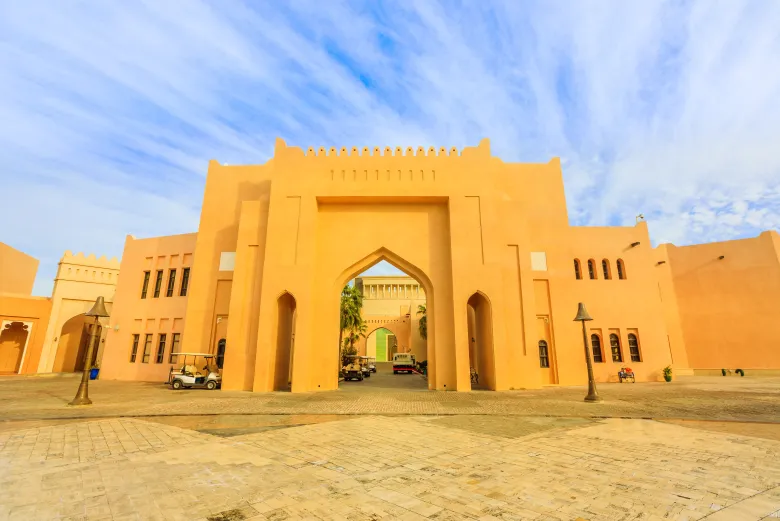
198	370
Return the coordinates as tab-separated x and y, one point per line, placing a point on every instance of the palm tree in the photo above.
423	324
350	318
353	335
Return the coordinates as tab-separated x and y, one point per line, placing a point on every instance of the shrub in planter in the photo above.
740	372
668	373
723	372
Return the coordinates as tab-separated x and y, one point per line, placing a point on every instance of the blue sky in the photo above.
111	110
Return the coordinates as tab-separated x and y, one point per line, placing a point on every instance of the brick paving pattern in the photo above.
408	468
700	398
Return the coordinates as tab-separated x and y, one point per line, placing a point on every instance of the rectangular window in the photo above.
185	282
147	349
134	351
174	348
160	348
145	287
171	283
158	283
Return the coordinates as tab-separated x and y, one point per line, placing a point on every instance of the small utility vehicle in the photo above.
353	370
197	370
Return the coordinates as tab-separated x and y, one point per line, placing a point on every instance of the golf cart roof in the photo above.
204	355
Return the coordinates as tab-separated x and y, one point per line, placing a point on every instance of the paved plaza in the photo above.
424	455
694	398
372	467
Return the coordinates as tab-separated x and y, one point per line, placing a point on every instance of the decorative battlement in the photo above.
90	260
483	149
382	152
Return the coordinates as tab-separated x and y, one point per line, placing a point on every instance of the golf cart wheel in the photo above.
395	372
176	384
211	385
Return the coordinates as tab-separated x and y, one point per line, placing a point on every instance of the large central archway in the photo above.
383	254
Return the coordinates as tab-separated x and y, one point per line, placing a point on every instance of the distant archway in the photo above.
73	342
285	341
381	344
480	330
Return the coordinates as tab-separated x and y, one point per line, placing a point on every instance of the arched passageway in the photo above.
73	342
480	330
285	341
13	340
392	307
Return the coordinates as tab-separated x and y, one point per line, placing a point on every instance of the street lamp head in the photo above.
582	314
98	310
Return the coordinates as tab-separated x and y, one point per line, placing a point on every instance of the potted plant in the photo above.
668	373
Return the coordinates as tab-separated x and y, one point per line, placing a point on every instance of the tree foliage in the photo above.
351	322
423	324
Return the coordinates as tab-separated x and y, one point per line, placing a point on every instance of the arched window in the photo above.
595	342
633	347
605	269
592	269
544	356
614	344
577	271
621	269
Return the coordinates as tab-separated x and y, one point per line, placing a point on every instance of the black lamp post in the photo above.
583	316
82	395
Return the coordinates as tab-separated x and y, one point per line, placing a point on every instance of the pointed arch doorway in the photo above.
480	329
400	344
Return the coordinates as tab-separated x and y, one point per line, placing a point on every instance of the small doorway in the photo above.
285	339
14	337
546	351
480	330
221	352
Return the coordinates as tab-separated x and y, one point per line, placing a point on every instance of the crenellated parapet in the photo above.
80	267
482	150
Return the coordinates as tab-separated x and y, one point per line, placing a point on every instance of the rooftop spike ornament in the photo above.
583	316
82	395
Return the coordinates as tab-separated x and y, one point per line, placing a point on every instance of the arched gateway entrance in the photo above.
307	222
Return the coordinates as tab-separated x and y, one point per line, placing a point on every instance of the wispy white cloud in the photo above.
112	110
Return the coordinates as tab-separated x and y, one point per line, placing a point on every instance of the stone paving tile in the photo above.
702	398
388	468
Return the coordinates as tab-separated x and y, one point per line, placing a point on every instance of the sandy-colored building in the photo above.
487	247
722	302
488	242
23	318
147	319
17	271
50	334
80	280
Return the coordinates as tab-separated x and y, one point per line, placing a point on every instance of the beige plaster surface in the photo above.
608	469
